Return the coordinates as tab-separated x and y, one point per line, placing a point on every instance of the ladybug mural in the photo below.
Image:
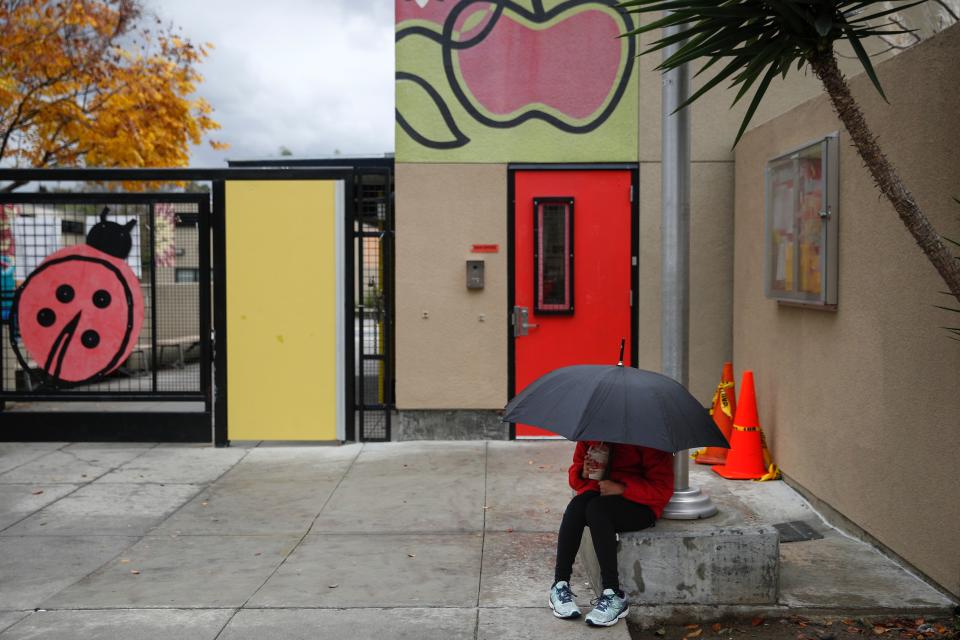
79	313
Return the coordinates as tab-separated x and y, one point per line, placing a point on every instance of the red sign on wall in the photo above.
485	248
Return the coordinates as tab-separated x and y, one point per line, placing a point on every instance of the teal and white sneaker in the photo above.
562	602
608	608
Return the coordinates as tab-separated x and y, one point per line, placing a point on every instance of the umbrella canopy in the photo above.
616	404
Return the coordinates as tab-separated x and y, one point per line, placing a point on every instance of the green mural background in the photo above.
427	104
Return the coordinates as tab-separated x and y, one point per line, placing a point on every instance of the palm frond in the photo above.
758	39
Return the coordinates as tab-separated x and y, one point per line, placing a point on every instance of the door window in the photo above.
553	255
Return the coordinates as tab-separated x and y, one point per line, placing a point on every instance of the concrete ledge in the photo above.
694	564
449	424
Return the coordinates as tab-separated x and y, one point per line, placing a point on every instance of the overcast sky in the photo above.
314	76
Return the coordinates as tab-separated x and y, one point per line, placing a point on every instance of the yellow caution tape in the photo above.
773	473
721	393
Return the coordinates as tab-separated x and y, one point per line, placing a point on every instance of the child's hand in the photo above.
611	488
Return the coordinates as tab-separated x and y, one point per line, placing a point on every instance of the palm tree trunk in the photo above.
884	175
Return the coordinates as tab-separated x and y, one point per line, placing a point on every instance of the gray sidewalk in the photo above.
421	540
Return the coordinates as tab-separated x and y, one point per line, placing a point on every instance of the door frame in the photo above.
512	170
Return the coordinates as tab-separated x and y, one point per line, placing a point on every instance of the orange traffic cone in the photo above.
745	459
723	408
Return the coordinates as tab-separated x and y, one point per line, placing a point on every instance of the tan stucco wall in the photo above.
711	270
861	405
714	126
456	357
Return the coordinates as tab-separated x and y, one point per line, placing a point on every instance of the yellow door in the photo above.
284	360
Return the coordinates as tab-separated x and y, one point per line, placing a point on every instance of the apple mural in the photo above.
508	62
565	66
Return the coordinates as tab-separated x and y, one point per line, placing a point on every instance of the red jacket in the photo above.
646	473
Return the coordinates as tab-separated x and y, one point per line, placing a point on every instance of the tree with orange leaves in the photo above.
86	82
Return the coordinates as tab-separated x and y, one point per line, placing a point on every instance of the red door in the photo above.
573	242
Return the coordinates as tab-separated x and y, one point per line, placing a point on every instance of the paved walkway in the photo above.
418	540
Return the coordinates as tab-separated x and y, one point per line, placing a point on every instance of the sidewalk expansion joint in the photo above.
80	485
299	541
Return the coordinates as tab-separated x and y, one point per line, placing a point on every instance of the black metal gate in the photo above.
147	380
373	303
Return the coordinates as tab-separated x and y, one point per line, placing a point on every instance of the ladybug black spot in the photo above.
46	317
101	299
90	338
65	293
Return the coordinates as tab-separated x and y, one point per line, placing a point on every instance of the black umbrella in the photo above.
616	404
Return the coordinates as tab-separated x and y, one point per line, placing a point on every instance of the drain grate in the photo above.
796	531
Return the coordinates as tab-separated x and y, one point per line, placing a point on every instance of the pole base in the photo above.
689	504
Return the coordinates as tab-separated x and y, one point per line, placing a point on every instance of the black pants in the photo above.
605	515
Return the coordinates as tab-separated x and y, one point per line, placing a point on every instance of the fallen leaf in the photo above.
660	632
878	630
757	621
853	630
411	555
940	629
333	586
694	634
918	622
203	504
847	621
38	492
135	572
693	626
716	626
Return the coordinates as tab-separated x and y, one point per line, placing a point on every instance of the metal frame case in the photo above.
829	232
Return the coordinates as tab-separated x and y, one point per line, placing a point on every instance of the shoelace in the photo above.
602	602
565	595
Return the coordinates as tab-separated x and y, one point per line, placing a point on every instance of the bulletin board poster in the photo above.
797	225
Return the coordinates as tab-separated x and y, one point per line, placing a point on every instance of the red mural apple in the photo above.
512	60
79	313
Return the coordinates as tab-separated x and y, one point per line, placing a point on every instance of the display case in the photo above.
801	225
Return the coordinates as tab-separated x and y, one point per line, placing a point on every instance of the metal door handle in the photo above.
520	324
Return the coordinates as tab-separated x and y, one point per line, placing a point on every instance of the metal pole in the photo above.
687	503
